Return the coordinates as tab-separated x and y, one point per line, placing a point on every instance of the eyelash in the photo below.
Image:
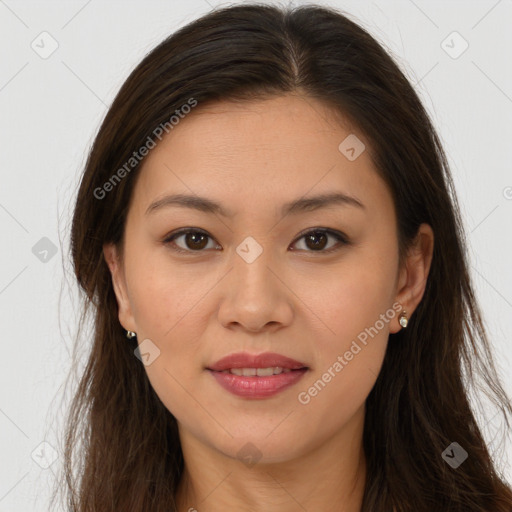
341	237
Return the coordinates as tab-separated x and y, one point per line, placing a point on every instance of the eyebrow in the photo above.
301	205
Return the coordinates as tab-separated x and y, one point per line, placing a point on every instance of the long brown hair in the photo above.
122	449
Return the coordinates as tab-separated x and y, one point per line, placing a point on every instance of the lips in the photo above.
257	376
265	360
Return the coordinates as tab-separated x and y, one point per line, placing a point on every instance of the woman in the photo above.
283	314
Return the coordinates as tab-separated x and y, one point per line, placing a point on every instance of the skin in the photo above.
294	300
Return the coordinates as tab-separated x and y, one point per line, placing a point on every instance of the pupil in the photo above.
315	235
193	238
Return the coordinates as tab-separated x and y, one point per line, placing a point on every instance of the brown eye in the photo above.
192	240
316	240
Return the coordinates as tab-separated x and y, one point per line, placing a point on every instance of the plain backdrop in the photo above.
52	105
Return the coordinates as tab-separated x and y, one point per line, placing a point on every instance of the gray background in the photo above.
51	109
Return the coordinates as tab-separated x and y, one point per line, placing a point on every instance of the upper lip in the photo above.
265	360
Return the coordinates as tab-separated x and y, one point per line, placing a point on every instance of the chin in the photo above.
259	448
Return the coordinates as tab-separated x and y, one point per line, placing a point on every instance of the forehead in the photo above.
258	152
271	124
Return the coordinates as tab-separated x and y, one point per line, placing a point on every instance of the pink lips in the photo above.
257	386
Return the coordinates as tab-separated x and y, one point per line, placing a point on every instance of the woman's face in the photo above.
261	277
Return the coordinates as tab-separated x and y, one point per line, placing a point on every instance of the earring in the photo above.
130	334
402	319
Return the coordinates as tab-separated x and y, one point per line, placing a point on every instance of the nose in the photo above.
255	296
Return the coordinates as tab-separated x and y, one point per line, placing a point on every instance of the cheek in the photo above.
350	298
165	315
355	307
165	297
167	301
348	361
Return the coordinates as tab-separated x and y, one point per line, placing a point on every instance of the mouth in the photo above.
257	376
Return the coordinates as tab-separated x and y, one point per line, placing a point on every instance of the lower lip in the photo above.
257	387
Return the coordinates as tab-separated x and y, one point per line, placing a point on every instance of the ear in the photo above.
114	263
413	275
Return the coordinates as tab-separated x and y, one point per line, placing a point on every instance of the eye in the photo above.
316	239
195	240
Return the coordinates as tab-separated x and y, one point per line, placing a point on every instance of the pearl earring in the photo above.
402	319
